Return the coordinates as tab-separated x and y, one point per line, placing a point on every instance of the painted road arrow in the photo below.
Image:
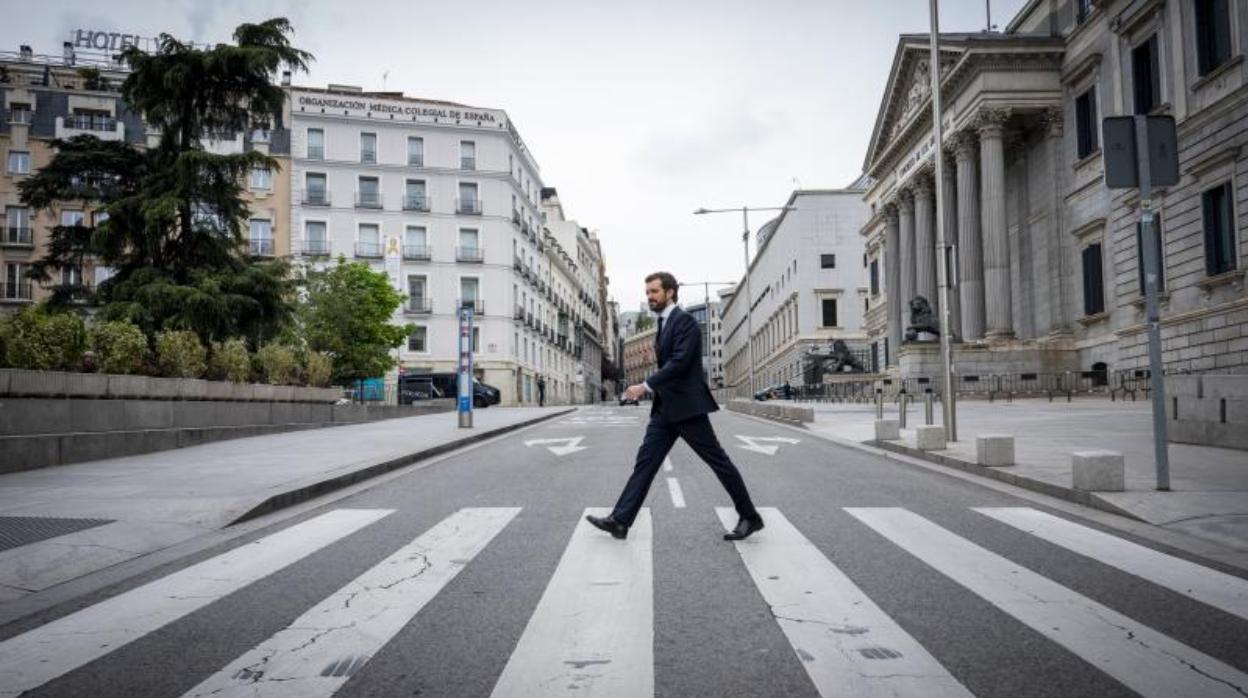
571	445
752	443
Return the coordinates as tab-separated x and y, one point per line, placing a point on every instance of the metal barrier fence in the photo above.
994	386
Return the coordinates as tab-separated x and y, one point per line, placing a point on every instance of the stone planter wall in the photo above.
1208	409
57	384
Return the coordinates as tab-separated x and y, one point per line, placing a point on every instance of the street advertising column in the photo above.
465	366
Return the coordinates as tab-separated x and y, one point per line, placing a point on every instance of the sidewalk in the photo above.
1209	486
153	501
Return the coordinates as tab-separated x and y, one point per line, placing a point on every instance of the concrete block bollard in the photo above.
887	430
994	449
1098	471
930	437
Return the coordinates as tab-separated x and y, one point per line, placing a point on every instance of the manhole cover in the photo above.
23	530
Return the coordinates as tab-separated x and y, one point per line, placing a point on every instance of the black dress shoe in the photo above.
610	525
746	527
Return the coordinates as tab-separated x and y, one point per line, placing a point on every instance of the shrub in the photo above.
181	354
119	346
318	368
278	364
231	361
40	341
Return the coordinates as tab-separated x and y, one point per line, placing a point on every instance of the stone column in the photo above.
892	278
949	198
1059	246
905	274
970	251
997	288
925	240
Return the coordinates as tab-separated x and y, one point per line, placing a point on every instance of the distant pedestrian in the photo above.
541	390
788	391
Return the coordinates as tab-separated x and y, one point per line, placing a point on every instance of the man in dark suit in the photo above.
681	404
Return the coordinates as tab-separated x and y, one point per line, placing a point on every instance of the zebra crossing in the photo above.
592	632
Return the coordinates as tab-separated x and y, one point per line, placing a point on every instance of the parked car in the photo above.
426	386
771	392
627	401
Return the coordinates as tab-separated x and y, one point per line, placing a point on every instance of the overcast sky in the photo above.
638	112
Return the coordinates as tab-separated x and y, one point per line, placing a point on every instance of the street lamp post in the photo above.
749	293
706	304
949	403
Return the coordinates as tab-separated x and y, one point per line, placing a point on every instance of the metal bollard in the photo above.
927	408
879	404
901	410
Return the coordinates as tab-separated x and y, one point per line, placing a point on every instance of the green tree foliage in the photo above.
181	354
176	214
347	316
40	340
278	364
643	323
231	361
119	346
318	369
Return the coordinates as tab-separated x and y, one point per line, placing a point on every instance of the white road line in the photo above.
678	497
667	464
848	646
317	653
592	633
1208	586
40	655
1141	658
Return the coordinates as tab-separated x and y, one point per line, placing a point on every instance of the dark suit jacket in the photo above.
680	390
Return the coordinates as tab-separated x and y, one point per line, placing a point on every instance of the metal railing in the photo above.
17	235
467	163
315	197
368	250
469	254
419	305
416	202
261	247
86	122
368	157
21	116
19	291
416	252
519	313
477	305
316	152
368	199
315	247
415	160
470	207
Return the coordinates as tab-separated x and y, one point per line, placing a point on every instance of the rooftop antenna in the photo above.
383	80
988	11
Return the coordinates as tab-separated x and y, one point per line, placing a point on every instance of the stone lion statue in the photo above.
834	359
922	319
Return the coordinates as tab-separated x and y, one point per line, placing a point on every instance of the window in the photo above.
467	155
1085	122
1093	285
316	144
415	151
315	192
72	218
19	162
261	178
417	341
1082	9
415	242
260	237
476	340
369	244
1219	220
875	277
315	239
1160	249
1146	76
1213	34
829	312
368	147
369	195
827	261
71	276
414	198
17	226
418	299
468	201
469	288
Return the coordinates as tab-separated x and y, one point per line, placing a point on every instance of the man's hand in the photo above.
635	392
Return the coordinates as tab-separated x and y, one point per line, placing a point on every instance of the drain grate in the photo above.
879	653
16	531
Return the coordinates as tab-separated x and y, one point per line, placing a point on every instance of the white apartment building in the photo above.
809	288
444	198
580	309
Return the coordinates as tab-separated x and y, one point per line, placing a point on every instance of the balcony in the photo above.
528	319
15	293
106	128
368	157
519	313
261	247
22	117
517	264
515	219
367	199
415	160
315	248
416	253
475	255
468	207
477	305
416	202
467	163
368	250
418	305
316	152
17	236
315	197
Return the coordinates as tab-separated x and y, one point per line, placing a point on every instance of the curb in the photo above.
311	490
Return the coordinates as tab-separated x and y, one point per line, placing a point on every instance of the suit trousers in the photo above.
660	436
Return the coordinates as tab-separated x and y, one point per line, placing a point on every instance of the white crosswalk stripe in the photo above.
592	633
31	659
847	645
1139	657
1217	589
317	653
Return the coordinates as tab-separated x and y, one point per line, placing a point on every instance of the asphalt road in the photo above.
476	576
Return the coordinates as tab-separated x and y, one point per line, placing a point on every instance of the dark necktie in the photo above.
658	334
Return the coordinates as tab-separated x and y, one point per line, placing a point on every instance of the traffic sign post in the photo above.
1142	151
465	367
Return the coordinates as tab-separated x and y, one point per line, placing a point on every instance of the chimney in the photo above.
286	77
25	53
69	52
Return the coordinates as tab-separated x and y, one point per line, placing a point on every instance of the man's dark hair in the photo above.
668	281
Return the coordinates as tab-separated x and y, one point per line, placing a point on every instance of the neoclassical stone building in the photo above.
1044	258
